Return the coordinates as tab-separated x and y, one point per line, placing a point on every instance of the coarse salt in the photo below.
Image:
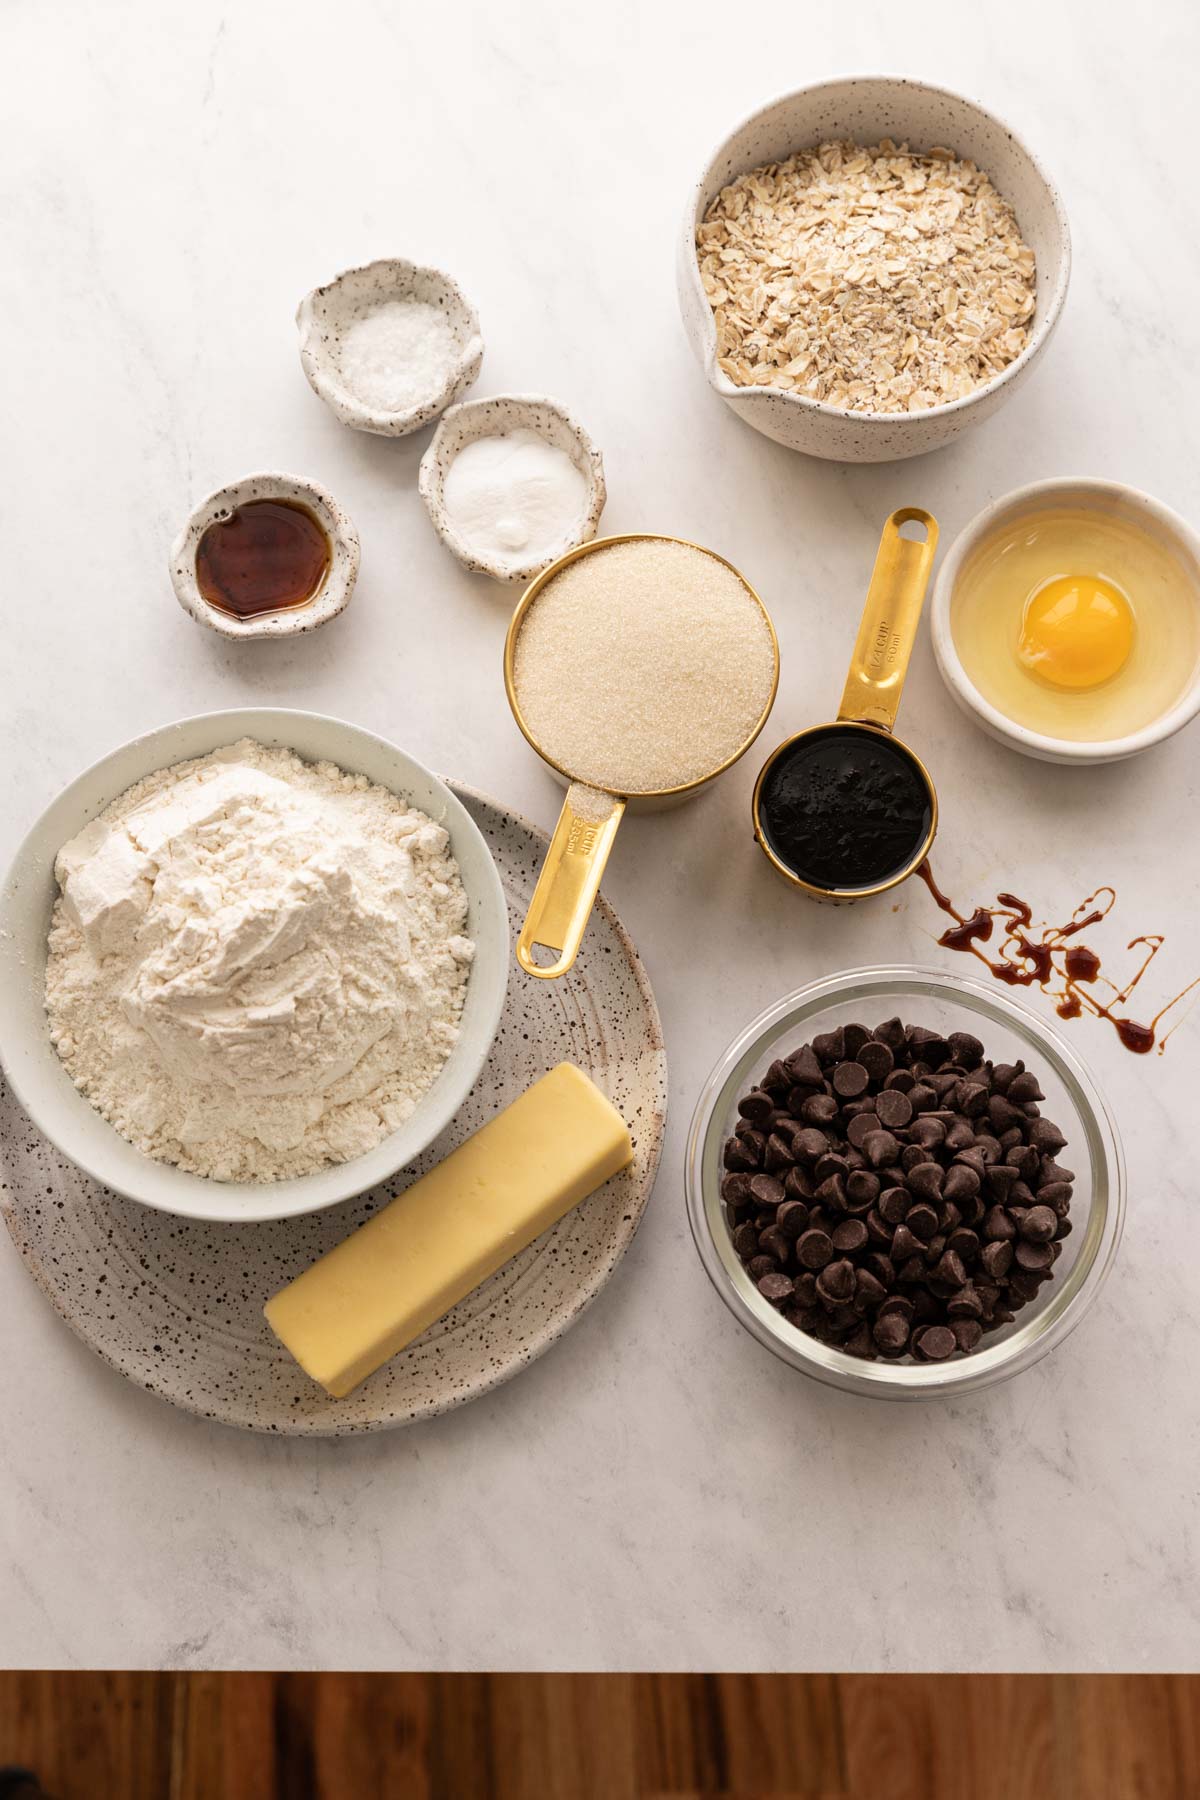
399	355
644	666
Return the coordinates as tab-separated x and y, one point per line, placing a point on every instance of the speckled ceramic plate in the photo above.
176	1305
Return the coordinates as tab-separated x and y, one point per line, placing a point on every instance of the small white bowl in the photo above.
1111	497
476	419
32	1065
331	597
325	316
864	109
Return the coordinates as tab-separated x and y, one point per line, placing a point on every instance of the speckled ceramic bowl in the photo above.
42	1084
503	413
866	108
331	597
326	315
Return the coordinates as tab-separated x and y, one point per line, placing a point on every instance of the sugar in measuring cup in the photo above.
639	668
845	810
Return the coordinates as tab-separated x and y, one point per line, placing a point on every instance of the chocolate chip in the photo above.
922	1221
797	1184
860	1127
905	1245
792	1219
830	1046
923	1098
925	1180
836	1281
804	1069
819	1109
1039	1224
894	1203
809	1144
757	1105
880	1148
965	1049
1033	1257
950	1269
893	1109
766	1190
877	1060
1046	1138
761	1265
936	1343
776	1288
996	1258
849	1080
862	1188
967	1333
814	1249
745	1241
891	1033
890	1333
849	1237
1024	1087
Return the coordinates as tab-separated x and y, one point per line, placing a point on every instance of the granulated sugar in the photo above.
644	666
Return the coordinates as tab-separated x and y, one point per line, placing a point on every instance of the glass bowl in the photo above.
1009	1031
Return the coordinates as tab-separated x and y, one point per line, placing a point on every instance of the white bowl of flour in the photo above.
294	1004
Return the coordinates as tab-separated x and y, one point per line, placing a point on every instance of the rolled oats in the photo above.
876	279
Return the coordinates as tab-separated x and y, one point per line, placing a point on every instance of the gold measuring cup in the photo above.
871	697
579	849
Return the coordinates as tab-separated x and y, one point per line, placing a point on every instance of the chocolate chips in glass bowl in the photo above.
893	1193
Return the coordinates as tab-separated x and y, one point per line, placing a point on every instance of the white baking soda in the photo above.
514	499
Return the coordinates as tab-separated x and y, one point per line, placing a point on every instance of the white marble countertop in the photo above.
658	1491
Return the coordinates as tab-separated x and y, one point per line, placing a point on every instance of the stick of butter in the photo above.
383	1285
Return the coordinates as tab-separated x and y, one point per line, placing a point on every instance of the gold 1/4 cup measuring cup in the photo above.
866	717
579	849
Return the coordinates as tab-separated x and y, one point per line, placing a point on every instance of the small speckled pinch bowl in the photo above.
31	1063
331	597
865	109
493	417
326	314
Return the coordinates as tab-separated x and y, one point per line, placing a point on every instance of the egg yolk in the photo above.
1076	631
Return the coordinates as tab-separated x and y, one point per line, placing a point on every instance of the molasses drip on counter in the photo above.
1049	959
268	556
845	809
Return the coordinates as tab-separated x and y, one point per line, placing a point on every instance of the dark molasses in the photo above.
1068	972
267	556
845	808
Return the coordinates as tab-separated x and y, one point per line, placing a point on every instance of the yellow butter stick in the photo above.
381	1287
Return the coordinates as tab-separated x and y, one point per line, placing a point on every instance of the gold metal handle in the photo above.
890	618
562	901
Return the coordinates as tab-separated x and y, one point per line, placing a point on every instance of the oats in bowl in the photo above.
874	279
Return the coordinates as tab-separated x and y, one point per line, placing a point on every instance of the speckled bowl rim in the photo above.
332	597
153	1183
430	480
344	404
598	1275
963	689
1045	316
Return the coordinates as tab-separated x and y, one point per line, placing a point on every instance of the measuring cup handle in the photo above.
562	901
888	629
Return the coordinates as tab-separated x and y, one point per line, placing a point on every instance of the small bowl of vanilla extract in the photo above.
269	556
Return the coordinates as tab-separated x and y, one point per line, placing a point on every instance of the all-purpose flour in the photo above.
257	965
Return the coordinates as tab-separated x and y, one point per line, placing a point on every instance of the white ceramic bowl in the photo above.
325	315
1113	499
331	597
474	419
31	1063
866	108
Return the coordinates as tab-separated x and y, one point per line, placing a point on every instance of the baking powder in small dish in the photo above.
514	499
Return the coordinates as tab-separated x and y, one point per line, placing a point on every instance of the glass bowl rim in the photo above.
1038	1334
